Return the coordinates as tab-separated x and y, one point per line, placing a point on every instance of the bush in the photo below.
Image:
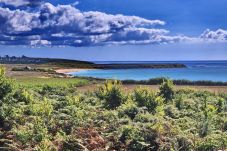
171	111
179	102
139	138
220	105
156	81
215	141
6	85
129	108
43	108
23	95
183	143
112	94
145	98
166	90
145	118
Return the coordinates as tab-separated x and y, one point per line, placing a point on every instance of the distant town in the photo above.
32	60
20	60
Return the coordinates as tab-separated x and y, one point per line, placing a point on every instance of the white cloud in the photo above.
15	3
19	3
219	35
39	42
75	3
65	25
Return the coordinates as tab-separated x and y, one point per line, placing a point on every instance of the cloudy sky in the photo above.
115	30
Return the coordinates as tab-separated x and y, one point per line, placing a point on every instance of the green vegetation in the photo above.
166	90
45	62
111	93
155	81
33	69
55	117
54	82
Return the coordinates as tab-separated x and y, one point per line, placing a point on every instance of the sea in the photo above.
196	70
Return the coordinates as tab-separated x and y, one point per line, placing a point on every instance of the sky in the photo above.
107	30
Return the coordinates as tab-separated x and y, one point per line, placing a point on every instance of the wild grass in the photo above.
54	82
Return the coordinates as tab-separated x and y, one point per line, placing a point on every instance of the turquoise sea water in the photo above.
196	70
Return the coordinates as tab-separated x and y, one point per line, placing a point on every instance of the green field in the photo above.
55	82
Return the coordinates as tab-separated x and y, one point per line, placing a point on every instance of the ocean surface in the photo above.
196	70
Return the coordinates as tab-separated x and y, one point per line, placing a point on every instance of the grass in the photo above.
40	81
41	78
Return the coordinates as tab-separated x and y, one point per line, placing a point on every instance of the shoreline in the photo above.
66	71
151	81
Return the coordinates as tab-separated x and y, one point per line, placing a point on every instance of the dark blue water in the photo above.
196	70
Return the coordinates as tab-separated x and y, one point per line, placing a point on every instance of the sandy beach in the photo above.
70	70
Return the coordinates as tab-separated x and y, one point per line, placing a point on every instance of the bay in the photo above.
196	70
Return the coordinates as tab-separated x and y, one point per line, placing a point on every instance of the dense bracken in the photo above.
52	118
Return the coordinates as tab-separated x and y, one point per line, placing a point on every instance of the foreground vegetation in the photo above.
54	117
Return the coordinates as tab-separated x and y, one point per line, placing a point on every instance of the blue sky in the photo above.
189	17
173	30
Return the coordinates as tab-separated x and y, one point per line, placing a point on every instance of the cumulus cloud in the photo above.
20	3
219	35
39	42
65	25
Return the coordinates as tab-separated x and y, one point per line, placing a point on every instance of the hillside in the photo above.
66	63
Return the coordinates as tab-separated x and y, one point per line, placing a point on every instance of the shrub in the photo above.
225	126
6	85
204	128
166	90
179	103
220	104
46	145
129	108
215	141
183	143
145	118
23	134
156	81
171	111
50	90
111	93
43	108
145	98
129	133
23	96
184	103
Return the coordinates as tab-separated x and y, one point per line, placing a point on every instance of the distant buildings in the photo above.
20	60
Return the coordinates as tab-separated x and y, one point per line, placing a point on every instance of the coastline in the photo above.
65	71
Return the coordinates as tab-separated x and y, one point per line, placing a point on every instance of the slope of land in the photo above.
66	63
